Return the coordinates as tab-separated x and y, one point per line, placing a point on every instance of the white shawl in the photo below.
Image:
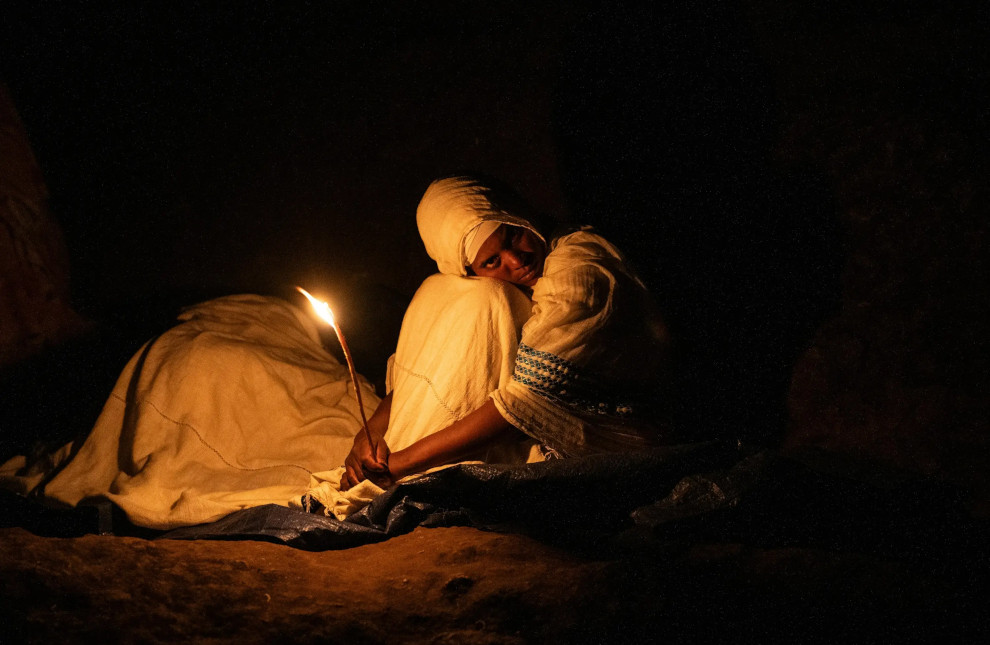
588	371
587	376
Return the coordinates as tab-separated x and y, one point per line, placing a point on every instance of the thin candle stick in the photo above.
323	311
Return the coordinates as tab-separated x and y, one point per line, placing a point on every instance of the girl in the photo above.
586	375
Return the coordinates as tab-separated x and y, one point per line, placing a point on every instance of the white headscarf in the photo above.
456	216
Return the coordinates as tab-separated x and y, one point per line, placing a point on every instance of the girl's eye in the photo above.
490	262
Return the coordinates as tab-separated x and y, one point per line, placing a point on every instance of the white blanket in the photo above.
235	407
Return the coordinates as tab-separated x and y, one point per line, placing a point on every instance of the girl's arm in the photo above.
461	438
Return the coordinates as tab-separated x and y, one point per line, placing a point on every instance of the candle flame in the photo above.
322	309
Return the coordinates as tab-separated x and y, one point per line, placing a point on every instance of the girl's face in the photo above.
512	253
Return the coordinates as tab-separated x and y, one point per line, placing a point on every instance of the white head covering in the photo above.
456	216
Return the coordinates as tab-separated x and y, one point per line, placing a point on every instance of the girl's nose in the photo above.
513	259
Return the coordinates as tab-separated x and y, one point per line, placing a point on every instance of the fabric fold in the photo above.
451	209
324	491
588	375
458	344
236	406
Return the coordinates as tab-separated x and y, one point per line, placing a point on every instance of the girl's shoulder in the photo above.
576	243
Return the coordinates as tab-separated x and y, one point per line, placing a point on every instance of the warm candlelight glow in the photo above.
322	310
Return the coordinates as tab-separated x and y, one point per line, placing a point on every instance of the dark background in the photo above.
773	170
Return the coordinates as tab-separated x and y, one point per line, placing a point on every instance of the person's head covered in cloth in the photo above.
473	225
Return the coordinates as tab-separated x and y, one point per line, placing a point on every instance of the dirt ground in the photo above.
462	585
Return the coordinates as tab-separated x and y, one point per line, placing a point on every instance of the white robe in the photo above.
588	376
588	373
457	344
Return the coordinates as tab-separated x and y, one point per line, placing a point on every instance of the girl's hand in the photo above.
384	479
365	462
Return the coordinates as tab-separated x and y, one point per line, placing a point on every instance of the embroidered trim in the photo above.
555	378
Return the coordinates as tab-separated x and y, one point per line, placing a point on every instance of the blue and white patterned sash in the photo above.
555	378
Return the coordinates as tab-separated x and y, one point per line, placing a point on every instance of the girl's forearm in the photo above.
378	423
463	437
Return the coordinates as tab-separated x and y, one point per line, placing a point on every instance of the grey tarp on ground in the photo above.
578	496
714	490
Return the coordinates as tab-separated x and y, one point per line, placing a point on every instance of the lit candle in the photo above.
323	311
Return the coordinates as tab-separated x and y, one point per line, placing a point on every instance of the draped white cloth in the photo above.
237	406
588	372
457	344
451	210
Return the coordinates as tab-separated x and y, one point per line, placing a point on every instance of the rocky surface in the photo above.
34	263
886	102
460	585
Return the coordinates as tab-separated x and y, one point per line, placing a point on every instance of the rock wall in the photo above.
34	268
889	104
